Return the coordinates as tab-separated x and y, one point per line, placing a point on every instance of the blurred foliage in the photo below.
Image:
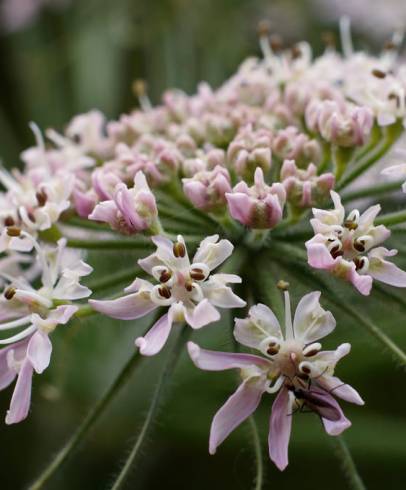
86	57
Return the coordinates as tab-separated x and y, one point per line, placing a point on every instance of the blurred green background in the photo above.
59	58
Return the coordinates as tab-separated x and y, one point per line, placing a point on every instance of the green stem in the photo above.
153	408
391	219
347	464
341	158
259	462
392	133
88	422
371	191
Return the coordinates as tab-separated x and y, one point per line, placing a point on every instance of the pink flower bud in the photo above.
304	188
259	206
249	150
291	144
207	189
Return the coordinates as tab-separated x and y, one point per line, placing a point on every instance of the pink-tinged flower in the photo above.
190	290
342	124
207	189
291	364
36	313
291	144
304	188
249	150
31	206
259	206
130	210
348	247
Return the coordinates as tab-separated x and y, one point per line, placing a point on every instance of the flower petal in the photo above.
39	351
260	325
280	428
21	399
344	391
128	307
237	408
218	361
211	253
156	337
203	314
311	321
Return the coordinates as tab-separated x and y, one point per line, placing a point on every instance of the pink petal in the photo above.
125	203
203	314
128	307
344	391
336	427
388	273
39	351
219	361
84	204
280	428
7	375
237	408
318	256
21	399
156	337
240	207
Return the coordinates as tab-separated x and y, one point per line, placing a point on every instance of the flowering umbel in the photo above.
37	312
189	289
348	247
292	365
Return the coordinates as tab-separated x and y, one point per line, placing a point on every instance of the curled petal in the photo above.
237	408
280	428
203	314
39	351
336	427
213	252
219	361
21	399
156	337
260	325
385	271
128	307
344	391
311	321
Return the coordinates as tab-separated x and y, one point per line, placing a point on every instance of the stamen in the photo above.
189	286
197	274
378	73
264	29
13	231
179	249
9	221
9	293
165	276
345	36
273	348
140	90
165	292
41	198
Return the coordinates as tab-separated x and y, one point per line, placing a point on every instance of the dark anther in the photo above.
273	348
306	370
378	73
76	139
389	46
165	292
336	252
394	97
350	225
359	245
41	198
9	221
179	249
312	353
197	274
9	293
13	231
165	276
189	286
359	263
139	87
